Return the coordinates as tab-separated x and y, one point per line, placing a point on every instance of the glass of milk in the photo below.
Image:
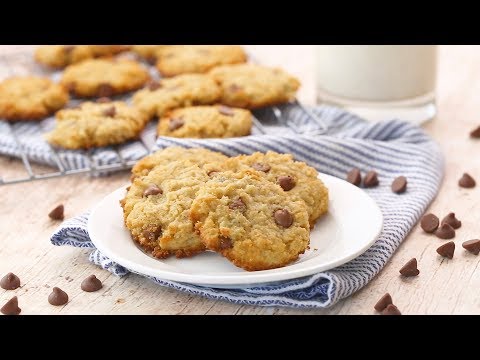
379	82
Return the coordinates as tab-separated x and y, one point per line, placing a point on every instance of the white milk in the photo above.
374	75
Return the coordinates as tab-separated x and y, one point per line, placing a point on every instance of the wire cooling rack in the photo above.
21	62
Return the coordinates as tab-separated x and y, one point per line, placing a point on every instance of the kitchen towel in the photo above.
392	148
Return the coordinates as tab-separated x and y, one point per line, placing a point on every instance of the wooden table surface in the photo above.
443	287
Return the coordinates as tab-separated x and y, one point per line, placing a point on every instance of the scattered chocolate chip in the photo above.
384	301
10	282
391	310
154	85
11	307
225	243
283	218
399	185
91	284
225	110
410	268
475	133
58	297
447	250
234	88
238	204
286	182
111	111
105	90
152	190
354	177
467	181
57	213
261	167
370	180
472	245
175	123
451	220
104	100
445	231
152	235
429	223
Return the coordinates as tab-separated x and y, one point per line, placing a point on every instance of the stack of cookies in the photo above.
256	210
203	92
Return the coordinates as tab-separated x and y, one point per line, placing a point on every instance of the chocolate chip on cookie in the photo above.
104	100
261	167
105	90
354	177
175	123
286	182
152	235
238	204
154	85
152	190
283	218
224	243
234	88
111	111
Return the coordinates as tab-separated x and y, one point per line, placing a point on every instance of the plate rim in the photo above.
255	278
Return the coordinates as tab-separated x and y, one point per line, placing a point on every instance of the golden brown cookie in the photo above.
30	98
104	77
95	125
59	56
254	86
149	52
218	121
157	207
184	59
250	221
180	91
197	156
298	180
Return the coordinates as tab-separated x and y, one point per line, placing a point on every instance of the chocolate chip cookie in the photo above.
180	91
96	124
104	77
59	56
250	221
254	86
184	59
30	98
157	207
206	122
198	156
298	180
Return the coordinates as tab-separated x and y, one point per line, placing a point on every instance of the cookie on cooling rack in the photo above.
59	56
104	77
157	207
218	121
95	125
298	180
30	98
198	156
254	86
250	221
180	91
183	59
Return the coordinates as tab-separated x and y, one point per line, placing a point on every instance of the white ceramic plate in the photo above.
351	226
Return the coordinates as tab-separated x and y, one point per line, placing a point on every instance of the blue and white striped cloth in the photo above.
392	148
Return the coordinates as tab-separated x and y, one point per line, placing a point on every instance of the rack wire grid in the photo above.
21	62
